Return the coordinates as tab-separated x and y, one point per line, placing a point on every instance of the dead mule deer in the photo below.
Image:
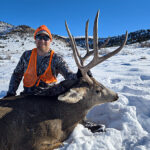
36	122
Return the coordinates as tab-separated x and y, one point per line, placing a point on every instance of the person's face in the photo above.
42	42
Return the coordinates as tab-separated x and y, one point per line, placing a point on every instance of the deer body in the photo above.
41	122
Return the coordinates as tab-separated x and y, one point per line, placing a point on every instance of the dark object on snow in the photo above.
94	127
79	74
9	95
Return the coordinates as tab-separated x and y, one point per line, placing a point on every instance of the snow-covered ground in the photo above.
127	120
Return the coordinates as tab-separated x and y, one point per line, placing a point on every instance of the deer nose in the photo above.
116	97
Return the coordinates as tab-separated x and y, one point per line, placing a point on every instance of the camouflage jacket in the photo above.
58	65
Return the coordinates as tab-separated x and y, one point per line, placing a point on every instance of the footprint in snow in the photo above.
114	81
144	77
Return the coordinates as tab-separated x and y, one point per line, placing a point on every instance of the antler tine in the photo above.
105	43
95	35
91	52
80	58
101	59
95	46
96	59
95	39
74	48
73	45
88	53
86	36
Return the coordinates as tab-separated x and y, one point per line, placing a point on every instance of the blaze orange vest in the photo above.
30	76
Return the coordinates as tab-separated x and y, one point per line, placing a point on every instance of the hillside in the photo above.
22	36
133	37
24	31
5	27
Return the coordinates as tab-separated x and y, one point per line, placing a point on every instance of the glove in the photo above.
79	74
9	95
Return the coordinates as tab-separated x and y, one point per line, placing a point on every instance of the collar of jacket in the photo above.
48	53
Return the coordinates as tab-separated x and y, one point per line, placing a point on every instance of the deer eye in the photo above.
97	91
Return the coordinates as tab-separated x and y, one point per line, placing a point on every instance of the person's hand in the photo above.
9	95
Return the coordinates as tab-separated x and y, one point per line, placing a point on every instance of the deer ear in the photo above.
74	95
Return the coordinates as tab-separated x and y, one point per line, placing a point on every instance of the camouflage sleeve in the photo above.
16	76
59	65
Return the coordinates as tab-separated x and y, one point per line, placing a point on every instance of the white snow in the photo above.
127	120
5	27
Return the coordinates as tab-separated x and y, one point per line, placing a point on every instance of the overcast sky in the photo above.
116	16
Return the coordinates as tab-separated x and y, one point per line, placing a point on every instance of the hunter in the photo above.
40	66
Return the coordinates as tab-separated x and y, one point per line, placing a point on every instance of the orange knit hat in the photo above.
44	28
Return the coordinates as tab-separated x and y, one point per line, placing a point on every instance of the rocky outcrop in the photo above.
22	29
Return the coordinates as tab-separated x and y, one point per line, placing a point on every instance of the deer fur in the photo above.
44	122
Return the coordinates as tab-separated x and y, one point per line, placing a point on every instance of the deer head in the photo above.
96	88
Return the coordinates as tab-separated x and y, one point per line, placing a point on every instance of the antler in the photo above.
96	59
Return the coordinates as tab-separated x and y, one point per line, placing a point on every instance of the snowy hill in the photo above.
133	37
127	120
5	27
24	30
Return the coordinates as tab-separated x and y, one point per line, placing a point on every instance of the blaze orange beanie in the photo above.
43	27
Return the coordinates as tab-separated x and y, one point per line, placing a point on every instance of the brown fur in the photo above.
44	122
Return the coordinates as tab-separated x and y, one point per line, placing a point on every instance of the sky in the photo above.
116	16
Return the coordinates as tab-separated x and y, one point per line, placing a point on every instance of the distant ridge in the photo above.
133	37
24	30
